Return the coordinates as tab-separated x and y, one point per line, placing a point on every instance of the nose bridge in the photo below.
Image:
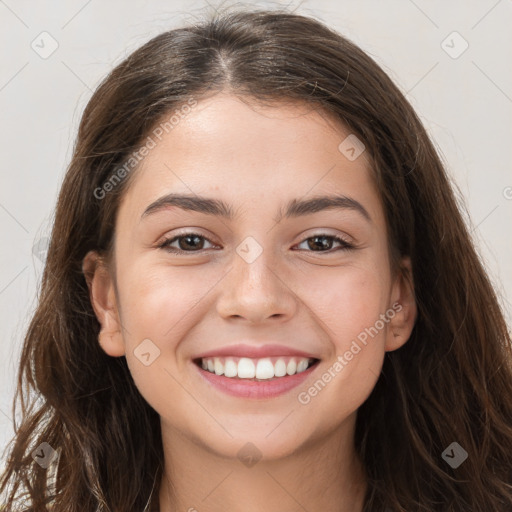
253	265
254	289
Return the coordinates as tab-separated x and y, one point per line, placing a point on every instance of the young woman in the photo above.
260	295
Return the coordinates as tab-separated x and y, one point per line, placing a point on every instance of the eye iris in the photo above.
324	245
197	239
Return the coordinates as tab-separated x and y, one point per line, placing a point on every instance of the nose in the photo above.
257	291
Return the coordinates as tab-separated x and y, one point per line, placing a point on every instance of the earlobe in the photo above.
111	343
103	300
404	306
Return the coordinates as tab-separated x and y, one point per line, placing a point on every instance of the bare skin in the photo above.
256	159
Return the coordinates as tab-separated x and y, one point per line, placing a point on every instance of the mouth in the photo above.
261	378
263	369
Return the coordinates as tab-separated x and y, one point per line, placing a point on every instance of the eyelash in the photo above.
346	246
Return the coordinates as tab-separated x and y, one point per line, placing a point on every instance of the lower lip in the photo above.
262	389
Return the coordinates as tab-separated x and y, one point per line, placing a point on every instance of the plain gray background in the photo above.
463	95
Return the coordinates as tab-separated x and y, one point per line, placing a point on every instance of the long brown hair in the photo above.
452	380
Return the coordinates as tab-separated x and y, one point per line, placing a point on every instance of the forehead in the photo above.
242	151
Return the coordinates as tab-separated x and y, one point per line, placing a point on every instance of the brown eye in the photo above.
194	242
188	242
323	243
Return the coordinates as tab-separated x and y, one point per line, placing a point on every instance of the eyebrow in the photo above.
219	208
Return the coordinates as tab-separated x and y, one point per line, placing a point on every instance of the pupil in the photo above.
324	244
189	237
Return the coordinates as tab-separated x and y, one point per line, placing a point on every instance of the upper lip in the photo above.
255	352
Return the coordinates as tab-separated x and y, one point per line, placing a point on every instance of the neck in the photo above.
326	475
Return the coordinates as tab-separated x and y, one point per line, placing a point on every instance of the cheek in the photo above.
347	301
348	305
157	305
348	313
156	302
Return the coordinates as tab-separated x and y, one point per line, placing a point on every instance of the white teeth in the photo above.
261	369
280	368
218	366
291	368
246	369
302	366
264	369
230	368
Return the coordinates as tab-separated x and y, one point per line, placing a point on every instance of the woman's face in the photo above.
262	283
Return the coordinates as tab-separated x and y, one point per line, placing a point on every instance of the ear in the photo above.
403	304
103	300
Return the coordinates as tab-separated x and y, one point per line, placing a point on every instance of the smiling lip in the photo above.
263	389
255	389
255	352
